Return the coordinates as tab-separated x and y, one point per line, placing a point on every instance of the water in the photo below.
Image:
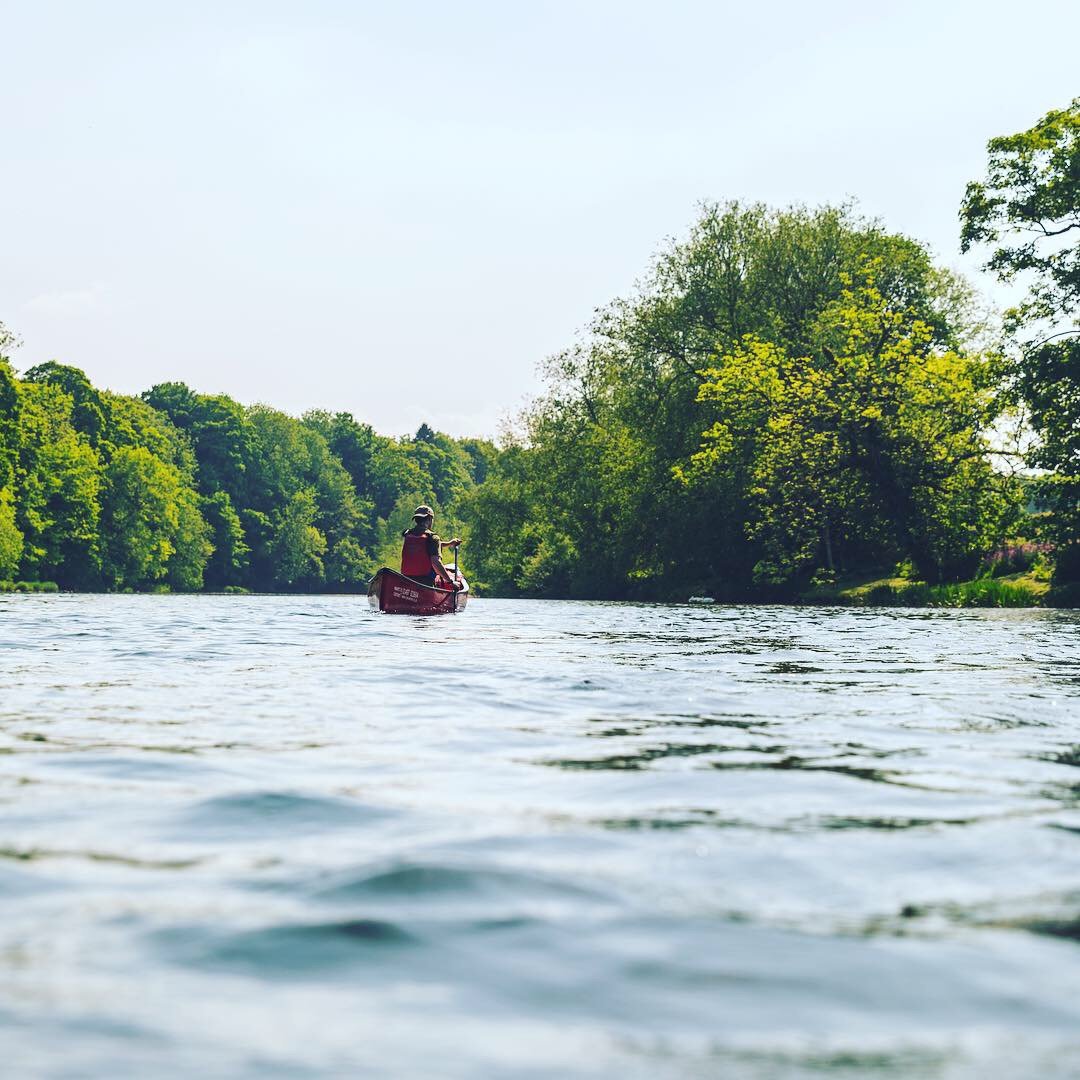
289	837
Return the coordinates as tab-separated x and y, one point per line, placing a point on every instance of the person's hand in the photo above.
456	542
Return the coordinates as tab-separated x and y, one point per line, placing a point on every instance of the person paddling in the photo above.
421	550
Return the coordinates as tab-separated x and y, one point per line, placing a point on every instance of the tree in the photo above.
88	407
229	559
600	506
11	539
355	446
298	546
1028	211
152	529
9	410
393	474
444	465
1029	206
191	541
58	481
871	448
349	565
220	432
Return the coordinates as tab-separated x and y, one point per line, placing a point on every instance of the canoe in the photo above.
395	594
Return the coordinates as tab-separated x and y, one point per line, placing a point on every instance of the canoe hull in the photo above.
395	594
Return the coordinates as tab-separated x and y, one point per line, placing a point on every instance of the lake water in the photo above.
290	837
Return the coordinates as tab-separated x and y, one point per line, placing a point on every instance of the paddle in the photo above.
456	585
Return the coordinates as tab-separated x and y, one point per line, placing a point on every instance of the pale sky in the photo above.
400	210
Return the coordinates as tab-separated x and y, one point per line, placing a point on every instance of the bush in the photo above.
29	586
985	592
1013	557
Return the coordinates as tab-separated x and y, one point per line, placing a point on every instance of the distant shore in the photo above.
1024	590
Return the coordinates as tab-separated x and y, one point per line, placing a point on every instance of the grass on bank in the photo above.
29	586
1009	591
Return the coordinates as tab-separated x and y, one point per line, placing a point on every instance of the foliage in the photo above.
872	447
1028	206
788	396
11	539
1028	211
57	490
982	592
787	391
151	523
87	405
229	558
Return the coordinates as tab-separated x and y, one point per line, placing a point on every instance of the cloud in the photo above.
68	303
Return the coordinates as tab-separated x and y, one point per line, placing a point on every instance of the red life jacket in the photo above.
415	560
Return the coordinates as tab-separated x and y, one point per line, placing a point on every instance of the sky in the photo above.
401	210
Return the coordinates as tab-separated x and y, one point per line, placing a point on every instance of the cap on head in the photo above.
422	512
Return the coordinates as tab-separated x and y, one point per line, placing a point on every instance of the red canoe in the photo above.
396	594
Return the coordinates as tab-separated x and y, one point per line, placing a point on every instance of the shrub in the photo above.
1013	557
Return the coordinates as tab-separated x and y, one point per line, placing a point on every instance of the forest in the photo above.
791	398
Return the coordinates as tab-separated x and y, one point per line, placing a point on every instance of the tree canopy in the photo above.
788	392
786	396
1027	211
181	490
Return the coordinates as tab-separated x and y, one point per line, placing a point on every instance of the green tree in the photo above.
230	556
348	565
88	412
151	525
355	446
192	543
220	432
11	539
298	546
9	411
57	490
132	422
444	465
1027	210
295	467
599	495
871	451
393	473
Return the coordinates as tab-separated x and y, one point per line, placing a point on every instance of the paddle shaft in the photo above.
456	546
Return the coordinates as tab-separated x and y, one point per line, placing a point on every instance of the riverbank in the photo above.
1024	590
1019	590
28	586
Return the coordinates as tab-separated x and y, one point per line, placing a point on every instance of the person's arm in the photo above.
450	543
444	571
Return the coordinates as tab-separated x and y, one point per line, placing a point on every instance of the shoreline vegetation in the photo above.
795	405
1013	591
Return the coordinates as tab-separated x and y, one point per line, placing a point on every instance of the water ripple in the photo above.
285	836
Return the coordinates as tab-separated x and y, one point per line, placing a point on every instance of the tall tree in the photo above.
88	411
1027	210
606	450
152	529
57	490
873	447
11	539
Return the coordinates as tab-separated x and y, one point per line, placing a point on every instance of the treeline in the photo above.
793	395
790	396
180	490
